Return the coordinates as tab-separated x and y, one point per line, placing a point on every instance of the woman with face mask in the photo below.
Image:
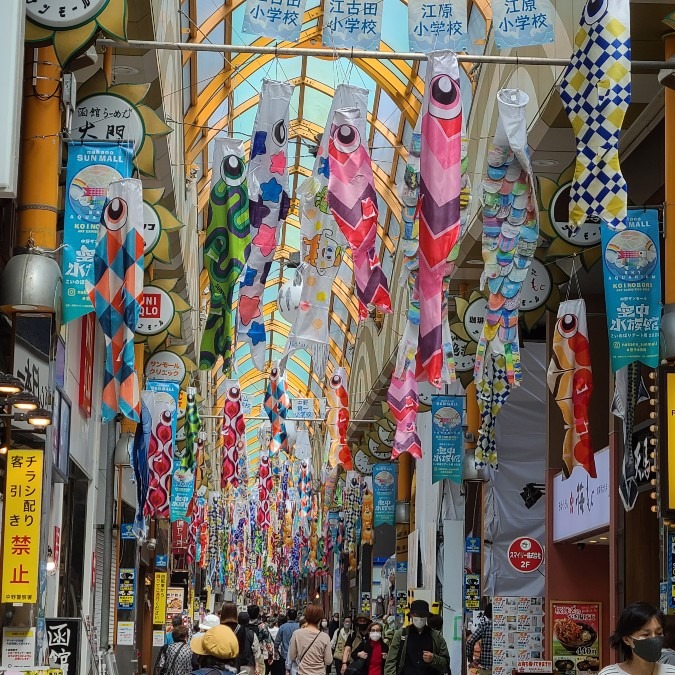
373	651
639	640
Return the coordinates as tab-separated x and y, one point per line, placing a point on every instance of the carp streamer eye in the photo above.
595	10
444	99
336	381
233	394
115	214
347	138
279	132
568	326
232	170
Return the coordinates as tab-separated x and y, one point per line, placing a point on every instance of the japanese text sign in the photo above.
159	604
526	554
632	267
353	23
280	19
447	438
91	169
63	638
576	632
519	23
21	532
126	588
384	494
18	648
437	24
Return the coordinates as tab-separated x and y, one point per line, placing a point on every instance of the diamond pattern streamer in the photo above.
596	92
117	294
276	407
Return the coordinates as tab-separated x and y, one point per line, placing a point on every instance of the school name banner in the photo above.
440	24
522	23
447	438
91	168
384	494
631	260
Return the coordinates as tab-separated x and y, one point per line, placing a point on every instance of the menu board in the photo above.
576	637
517	632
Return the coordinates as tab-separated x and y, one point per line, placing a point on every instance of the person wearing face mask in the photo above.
418	649
483	633
339	641
639	640
333	625
358	637
373	651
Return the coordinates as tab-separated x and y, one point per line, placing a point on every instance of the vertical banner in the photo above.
91	169
439	24
126	588
353	23
520	23
21	531
63	640
447	439
384	493
632	268
159	604
278	19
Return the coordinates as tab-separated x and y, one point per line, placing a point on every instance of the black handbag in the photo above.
356	667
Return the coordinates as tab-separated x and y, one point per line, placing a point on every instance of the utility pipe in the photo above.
327	53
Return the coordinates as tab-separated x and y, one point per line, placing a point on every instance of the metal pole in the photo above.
326	53
288	419
106	563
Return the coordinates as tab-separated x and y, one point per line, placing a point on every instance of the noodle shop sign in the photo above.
526	554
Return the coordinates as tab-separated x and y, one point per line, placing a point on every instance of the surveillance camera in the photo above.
581	546
151	544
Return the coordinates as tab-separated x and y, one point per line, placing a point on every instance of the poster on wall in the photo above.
517	632
631	262
384	494
126	588
18	647
471	592
447	438
175	599
576	630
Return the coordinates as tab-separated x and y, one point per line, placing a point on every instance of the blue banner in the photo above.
519	23
353	23
437	24
278	19
384	494
632	267
671	572
182	485
447	438
91	169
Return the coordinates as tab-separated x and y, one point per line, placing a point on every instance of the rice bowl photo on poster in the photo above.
576	630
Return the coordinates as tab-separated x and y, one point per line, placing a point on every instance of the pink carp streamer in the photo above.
439	198
352	200
337	420
265	485
234	438
403	402
276	407
160	453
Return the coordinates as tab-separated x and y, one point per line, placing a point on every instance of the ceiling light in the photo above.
592	541
51	563
545	162
602	538
40	418
23	401
10	385
3	449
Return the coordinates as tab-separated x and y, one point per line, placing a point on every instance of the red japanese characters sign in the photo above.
526	554
21	532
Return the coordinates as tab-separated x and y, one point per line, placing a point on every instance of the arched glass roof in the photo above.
221	96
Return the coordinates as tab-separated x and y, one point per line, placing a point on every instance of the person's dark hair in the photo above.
195	627
253	612
177	621
435	621
632	619
179	634
281	620
374	625
314	614
292	614
488	610
228	613
243	619
669	632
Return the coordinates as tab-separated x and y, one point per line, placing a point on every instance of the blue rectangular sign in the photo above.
402	567
127	531
520	23
278	19
472	545
91	169
447	438
437	24
384	494
161	561
352	23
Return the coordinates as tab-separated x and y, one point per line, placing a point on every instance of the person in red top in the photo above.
373	651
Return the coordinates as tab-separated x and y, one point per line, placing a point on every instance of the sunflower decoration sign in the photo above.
466	332
171	365
117	113
158	223
72	25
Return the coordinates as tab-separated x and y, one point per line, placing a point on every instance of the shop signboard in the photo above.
535	666
63	640
525	554
384	494
576	630
18	648
517	632
471	592
21	530
126	588
447	440
175	599
581	503
159	604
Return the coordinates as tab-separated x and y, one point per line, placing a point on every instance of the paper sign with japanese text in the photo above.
353	24
159	604
519	23
126	589
437	24
280	19
21	531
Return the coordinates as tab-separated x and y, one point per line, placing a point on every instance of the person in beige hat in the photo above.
216	649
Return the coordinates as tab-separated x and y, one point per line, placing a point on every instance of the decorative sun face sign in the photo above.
71	24
537	287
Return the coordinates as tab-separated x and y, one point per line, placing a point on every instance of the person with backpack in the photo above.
418	649
250	655
177	659
259	627
310	646
339	641
217	651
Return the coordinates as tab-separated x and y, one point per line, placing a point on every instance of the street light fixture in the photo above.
40	418
24	401
10	385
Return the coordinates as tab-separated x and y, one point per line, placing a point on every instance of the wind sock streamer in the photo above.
234	437
439	199
269	203
337	420
276	407
403	401
160	453
596	92
117	294
352	200
226	248
265	486
352	510
139	462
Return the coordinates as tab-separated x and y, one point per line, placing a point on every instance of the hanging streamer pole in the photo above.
638	66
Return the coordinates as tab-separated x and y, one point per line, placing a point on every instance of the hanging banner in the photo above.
126	588
63	639
520	23
632	268
440	24
447	439
91	169
159	604
278	19
384	492
353	23
21	531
